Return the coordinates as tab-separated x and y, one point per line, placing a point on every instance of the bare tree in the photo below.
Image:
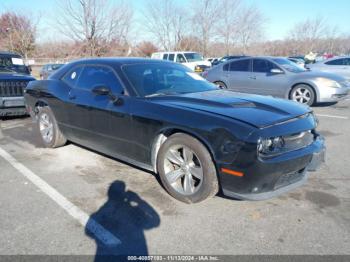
96	23
227	28
306	33
189	43
250	26
204	20
146	48
166	22
17	32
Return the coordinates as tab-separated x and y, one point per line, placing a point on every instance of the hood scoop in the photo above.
246	104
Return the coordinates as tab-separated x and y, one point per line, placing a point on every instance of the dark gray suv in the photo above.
14	77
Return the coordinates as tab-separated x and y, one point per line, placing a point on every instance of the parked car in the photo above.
227	58
278	77
298	61
14	77
337	65
163	117
192	60
212	59
48	69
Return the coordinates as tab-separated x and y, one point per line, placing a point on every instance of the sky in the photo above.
281	15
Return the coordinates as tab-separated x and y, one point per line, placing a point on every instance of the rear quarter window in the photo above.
72	76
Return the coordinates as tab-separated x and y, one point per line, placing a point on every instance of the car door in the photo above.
267	82
64	106
238	74
101	122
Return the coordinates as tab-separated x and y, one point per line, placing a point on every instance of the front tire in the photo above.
303	94
186	169
50	133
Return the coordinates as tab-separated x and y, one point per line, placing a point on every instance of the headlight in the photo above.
273	146
270	145
328	82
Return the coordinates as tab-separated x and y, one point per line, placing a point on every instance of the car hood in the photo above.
15	76
258	111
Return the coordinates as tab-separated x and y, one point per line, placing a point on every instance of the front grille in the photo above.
12	88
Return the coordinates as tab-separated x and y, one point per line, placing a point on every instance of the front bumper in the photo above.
268	179
329	94
12	106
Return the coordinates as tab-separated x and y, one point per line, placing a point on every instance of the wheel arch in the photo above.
39	103
163	135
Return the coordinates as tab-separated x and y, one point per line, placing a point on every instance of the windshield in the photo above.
156	79
193	57
13	64
289	65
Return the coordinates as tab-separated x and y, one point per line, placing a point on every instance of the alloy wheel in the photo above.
183	170
46	127
302	95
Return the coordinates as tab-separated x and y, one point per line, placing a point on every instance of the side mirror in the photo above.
276	71
101	90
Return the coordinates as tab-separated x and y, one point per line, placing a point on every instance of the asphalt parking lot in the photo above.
49	198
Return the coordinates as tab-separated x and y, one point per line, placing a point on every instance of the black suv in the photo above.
14	77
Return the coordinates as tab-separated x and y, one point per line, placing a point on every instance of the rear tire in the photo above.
49	131
220	85
186	169
303	94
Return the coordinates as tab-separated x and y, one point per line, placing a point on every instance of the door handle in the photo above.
253	77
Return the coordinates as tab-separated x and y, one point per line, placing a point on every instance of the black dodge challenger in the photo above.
161	116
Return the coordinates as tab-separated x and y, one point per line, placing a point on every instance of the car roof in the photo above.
336	57
117	60
8	53
108	61
54	64
175	52
259	57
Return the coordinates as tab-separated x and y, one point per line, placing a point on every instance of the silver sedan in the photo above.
337	65
278	77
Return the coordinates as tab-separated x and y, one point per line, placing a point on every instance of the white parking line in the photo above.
91	225
333	116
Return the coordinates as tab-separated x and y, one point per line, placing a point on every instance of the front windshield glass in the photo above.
157	79
289	65
193	57
12	64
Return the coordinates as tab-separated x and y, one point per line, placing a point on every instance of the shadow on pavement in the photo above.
126	216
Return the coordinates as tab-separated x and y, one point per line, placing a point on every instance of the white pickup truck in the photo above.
193	60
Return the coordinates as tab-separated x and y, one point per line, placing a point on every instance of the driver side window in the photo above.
263	66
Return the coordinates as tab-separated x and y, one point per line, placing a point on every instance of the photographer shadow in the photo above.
125	215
